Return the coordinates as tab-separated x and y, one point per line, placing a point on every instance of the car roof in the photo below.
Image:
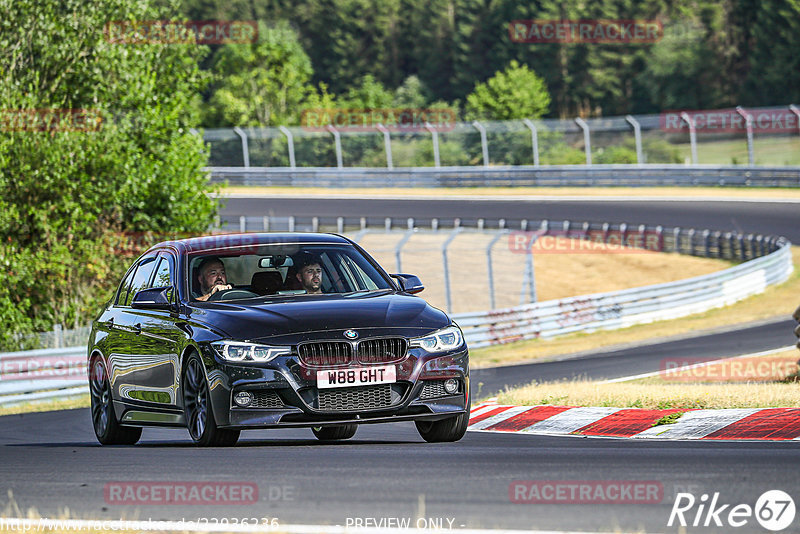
223	241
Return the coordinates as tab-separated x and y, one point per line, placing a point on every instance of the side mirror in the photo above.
409	283
154	298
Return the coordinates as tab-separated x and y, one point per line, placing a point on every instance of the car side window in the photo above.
141	279
163	276
124	287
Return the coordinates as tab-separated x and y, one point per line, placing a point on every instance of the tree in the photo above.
515	93
109	150
263	83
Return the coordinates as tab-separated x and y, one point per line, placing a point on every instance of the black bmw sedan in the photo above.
221	334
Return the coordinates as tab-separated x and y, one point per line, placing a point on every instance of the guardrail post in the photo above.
623	234
399	249
748	121
435	139
289	144
245	149
339	225
523	225
265	223
534	140
707	243
484	142
363	223
660	236
314	224
435	224
446	269
481	223
490	269
291	223
718	239
606	226
501	223
410	223
692	135
242	224
587	146
760	245
387	145
337	140
387	223
637	135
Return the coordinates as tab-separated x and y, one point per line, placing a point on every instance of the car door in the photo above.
159	341
122	344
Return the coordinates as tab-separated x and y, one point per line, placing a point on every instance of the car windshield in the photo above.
281	270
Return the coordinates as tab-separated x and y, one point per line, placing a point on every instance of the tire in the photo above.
197	409
444	430
104	420
332	433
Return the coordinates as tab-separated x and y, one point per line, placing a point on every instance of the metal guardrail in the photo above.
628	307
50	373
511	176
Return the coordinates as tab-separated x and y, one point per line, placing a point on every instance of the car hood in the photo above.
265	320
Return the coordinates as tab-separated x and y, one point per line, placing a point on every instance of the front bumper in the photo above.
294	395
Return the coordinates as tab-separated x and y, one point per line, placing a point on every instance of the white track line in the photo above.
696	365
505	198
181	526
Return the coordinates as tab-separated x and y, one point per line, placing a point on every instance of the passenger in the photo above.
212	278
309	273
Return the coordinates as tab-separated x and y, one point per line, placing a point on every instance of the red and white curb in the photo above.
757	424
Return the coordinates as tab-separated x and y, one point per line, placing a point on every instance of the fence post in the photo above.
490	270
484	142
314	224
265	223
245	149
534	140
58	336
387	223
387	145
435	139
339	225
289	144
748	121
692	135
291	223
637	135
242	224
677	238
707	243
337	140
528	277
445	268
794	109
399	248
586	139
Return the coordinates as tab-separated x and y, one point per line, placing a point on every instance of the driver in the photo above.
212	278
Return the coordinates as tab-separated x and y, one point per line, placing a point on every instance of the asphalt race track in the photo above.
51	461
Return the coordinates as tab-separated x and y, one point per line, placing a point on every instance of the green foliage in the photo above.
65	188
515	93
263	83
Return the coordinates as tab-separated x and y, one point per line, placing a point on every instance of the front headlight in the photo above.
440	341
238	351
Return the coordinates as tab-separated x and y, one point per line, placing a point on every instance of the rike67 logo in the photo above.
774	510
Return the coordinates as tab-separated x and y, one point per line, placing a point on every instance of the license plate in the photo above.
362	376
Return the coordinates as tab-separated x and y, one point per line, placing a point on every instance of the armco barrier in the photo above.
50	373
620	309
512	176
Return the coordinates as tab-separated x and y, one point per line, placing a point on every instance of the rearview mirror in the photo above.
409	283
154	298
